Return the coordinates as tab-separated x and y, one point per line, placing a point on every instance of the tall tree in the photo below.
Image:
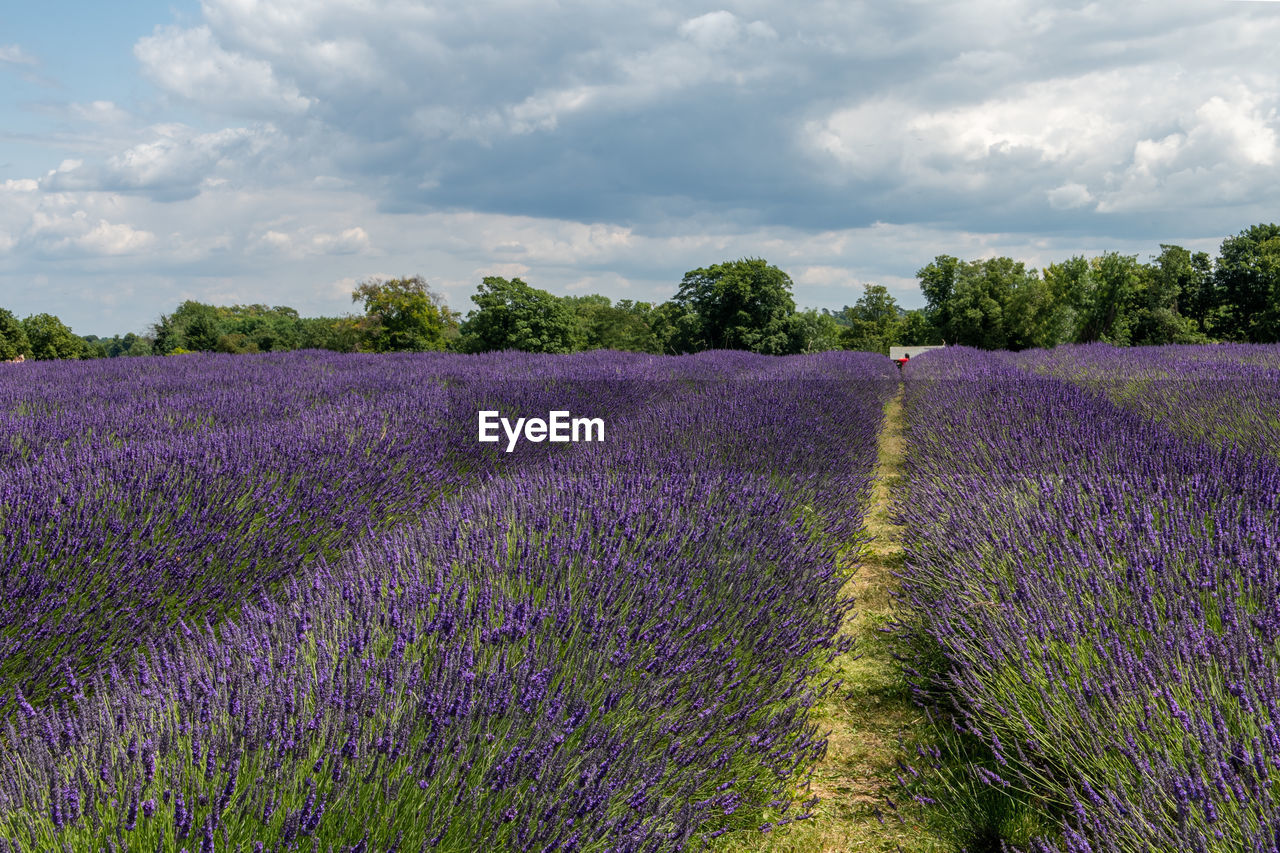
257	328
914	329
51	339
674	325
1248	282
1108	312
13	339
1033	320
339	334
603	325
1165	284
1186	281
871	323
991	303
1071	285
937	283
814	331
743	304
404	315
194	326
972	302
512	315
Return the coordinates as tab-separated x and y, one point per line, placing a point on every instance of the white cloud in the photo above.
351	241
272	242
822	275
13	54
308	241
1069	196
1114	137
100	112
106	238
295	140
342	288
1242	129
1153	155
174	163
712	31
80	233
191	64
501	270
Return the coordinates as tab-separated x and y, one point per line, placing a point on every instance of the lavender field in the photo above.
1093	586
290	602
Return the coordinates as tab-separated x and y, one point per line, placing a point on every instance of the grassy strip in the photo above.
871	719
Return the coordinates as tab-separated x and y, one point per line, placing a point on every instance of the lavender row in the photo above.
135	493
1098	595
1229	394
609	647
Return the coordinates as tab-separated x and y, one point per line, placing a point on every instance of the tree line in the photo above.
992	303
1179	297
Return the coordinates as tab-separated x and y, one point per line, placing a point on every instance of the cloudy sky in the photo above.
278	151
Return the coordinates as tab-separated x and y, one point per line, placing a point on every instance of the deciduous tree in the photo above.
1248	282
743	304
13	339
50	338
404	315
512	315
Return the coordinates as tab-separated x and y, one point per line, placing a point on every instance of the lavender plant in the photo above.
1218	394
1093	597
574	647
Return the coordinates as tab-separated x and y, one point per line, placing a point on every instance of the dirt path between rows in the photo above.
871	714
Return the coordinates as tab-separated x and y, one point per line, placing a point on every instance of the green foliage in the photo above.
50	339
1182	299
970	302
340	334
13	339
937	283
1032	318
118	345
744	304
673	324
404	315
257	328
512	315
92	347
197	327
193	327
236	343
871	323
624	326
812	331
1116	300
1108	315
914	329
1178	298
1247	281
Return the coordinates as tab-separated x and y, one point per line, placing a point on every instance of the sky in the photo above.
281	151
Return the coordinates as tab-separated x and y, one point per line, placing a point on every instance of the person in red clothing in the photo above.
903	360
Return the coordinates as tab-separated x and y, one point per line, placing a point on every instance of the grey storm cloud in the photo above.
294	146
987	115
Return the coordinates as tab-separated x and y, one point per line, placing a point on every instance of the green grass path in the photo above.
871	715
